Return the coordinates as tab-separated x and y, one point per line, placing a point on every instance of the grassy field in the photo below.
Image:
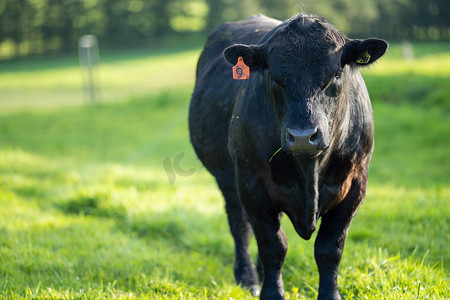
88	210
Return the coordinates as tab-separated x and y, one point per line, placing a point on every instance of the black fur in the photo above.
306	96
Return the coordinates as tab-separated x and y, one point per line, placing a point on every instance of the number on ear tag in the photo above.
241	71
363	58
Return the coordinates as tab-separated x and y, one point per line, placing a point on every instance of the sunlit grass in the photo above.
434	62
119	210
116	79
128	229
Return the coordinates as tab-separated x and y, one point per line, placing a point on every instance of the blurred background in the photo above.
102	195
54	26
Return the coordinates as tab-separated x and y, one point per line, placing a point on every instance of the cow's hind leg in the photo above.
244	268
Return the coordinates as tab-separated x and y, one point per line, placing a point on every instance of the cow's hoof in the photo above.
332	296
272	294
255	290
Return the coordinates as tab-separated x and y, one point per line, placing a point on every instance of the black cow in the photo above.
306	98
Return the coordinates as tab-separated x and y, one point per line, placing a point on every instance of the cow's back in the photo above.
215	91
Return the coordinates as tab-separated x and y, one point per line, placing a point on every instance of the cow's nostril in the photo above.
290	137
314	137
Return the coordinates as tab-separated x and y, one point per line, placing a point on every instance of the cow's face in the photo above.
304	65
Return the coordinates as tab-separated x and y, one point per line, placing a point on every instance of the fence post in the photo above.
89	57
408	51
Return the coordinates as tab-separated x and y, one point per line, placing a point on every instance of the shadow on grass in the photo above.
184	229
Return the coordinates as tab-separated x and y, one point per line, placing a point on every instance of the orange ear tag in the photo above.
241	71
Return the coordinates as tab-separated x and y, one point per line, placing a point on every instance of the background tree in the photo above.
51	26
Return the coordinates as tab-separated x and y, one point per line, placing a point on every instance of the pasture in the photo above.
88	211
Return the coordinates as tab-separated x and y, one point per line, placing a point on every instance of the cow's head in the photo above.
306	64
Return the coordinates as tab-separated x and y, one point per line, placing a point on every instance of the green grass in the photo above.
46	84
88	210
423	80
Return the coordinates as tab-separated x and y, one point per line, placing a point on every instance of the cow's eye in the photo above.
338	74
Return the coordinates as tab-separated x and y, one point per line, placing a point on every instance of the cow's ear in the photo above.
363	52
250	54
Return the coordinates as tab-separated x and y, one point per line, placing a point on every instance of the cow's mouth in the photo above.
307	153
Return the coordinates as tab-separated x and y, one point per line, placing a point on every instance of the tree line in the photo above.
54	26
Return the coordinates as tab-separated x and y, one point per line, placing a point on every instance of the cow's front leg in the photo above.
270	237
272	247
330	241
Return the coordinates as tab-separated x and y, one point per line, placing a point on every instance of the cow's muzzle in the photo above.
305	142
